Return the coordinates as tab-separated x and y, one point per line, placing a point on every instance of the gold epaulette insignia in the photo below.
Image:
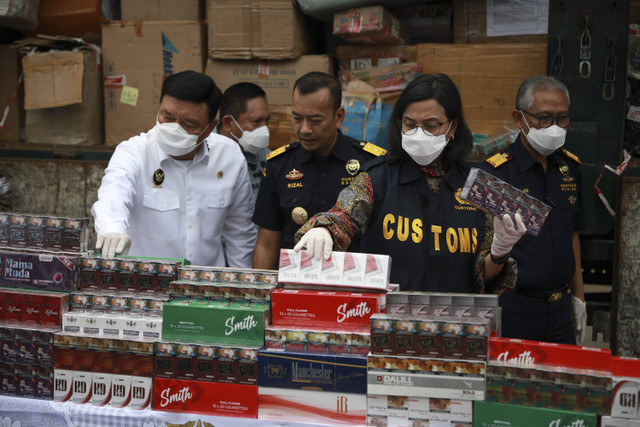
372	148
570	155
498	159
277	152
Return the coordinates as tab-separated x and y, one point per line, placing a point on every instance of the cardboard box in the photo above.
370	25
487	76
161	10
280	126
199	397
244	29
345	310
358	57
137	58
276	78
310	406
391	78
9	72
346	374
63	97
71	18
498	414
470	25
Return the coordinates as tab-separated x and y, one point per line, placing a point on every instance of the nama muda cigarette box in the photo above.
198	320
200	397
310	406
347	310
306	371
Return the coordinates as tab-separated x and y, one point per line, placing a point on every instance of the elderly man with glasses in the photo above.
548	304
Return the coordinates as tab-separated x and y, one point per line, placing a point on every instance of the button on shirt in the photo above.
185	216
315	188
546	261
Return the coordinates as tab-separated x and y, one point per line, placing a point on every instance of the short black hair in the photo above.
316	80
440	88
194	87
235	98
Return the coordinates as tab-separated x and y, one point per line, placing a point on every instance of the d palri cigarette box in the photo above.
346	310
344	269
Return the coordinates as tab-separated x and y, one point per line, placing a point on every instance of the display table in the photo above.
21	412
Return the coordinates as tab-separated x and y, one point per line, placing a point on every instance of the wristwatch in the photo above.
500	260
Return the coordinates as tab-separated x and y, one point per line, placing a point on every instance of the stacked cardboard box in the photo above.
137	57
487	76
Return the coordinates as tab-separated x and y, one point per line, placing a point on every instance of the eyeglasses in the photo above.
429	127
545	121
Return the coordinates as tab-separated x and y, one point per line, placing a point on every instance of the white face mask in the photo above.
545	141
252	141
423	148
174	140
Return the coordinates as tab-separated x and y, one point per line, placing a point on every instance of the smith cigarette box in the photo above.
305	371
197	320
499	414
200	397
346	310
308	406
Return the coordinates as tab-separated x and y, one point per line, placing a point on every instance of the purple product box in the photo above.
39	271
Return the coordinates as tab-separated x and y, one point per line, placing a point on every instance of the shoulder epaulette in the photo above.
570	155
278	151
372	148
498	159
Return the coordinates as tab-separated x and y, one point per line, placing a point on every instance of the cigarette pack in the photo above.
346	310
368	272
396	411
305	371
311	406
497	197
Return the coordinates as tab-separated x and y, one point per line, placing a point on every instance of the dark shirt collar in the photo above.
340	150
455	175
525	160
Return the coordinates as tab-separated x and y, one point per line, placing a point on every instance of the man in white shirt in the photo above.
179	189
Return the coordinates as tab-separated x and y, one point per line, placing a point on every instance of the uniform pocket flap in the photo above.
161	202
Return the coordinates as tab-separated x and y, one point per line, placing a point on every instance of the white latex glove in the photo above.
579	318
506	234
113	243
318	242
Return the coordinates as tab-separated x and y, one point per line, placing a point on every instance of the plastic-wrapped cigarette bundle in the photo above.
497	197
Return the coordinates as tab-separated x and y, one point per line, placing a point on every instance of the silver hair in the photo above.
524	99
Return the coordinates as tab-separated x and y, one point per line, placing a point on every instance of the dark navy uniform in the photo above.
540	309
297	184
433	238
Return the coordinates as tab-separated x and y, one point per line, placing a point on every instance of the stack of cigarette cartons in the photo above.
428	357
314	368
213	328
626	393
103	371
549	375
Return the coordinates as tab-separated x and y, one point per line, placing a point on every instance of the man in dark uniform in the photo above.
548	304
306	177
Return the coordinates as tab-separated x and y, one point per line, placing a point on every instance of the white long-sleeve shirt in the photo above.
197	204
